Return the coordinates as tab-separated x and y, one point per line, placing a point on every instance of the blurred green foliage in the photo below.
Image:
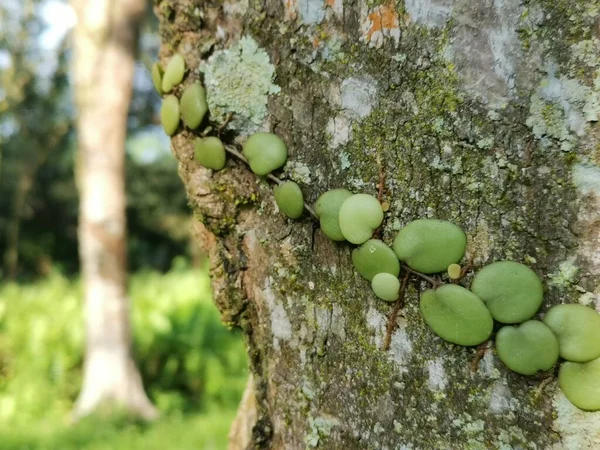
38	157
188	359
205	431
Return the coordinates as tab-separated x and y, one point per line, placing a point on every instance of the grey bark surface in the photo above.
105	41
479	112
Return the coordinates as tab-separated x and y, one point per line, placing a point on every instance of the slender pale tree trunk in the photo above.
482	112
105	42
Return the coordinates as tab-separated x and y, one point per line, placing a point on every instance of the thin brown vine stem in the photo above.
479	354
432	281
232	151
224	124
391	324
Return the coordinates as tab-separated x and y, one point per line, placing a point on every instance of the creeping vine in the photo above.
505	292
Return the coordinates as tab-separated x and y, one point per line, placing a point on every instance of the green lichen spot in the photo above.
169	114
375	257
157	74
528	348
173	73
581	383
193	105
360	215
265	152
289	199
430	246
512	291
210	152
328	209
456	315
578	330
386	286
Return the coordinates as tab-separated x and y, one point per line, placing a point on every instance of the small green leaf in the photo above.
265	153
359	216
169	114
157	74
173	73
456	315
454	271
328	209
528	348
289	199
210	152
193	105
578	330
375	257
512	291
430	246
386	286
580	383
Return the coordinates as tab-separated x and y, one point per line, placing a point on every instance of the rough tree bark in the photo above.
105	41
481	112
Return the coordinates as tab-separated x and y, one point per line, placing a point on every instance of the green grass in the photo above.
206	431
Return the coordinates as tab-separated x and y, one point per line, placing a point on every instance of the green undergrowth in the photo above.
206	431
193	367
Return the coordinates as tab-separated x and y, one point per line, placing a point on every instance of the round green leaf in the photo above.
265	152
454	271
456	315
157	74
169	114
193	105
512	291
580	383
527	348
289	198
386	286
173	73
375	257
429	245
210	152
328	209
578	330
359	216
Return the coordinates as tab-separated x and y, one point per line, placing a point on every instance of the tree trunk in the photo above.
105	42
481	112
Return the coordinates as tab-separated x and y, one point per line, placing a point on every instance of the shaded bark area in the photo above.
105	41
437	103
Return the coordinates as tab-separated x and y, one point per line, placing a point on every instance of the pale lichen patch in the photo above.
586	178
431	13
311	12
358	96
281	326
578	429
339	130
320	427
437	375
500	398
401	348
561	108
239	81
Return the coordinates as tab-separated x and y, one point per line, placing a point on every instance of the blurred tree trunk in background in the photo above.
482	112
105	42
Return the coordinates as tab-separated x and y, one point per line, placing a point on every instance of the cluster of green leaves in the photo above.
187	358
505	291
